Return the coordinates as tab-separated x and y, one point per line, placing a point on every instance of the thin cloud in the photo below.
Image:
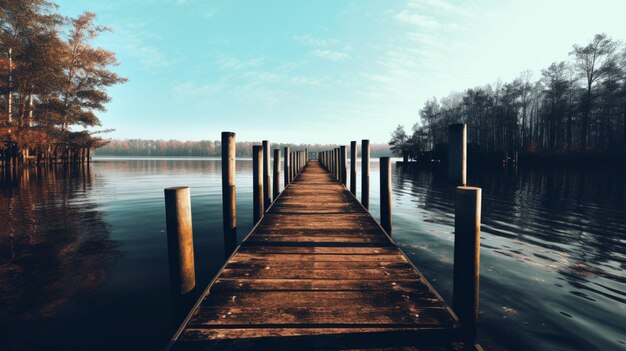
331	55
308	40
442	7
135	37
421	21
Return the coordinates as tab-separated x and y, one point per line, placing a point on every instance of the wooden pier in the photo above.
318	272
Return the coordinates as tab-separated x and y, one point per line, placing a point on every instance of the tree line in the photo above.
576	106
205	148
52	82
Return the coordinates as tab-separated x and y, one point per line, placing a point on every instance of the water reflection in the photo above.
54	246
83	251
553	251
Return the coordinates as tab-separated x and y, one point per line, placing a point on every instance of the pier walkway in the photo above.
318	272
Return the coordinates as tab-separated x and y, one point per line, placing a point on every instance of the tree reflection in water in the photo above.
553	243
55	246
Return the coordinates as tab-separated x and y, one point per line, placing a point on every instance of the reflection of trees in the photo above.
573	218
169	166
54	242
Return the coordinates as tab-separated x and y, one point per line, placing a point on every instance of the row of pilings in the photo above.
11	155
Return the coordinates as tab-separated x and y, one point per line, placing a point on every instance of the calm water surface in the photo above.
83	255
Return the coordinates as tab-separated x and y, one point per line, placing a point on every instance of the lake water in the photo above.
83	254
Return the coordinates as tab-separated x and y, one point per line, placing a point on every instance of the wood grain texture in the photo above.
318	272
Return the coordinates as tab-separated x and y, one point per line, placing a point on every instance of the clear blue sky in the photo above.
324	70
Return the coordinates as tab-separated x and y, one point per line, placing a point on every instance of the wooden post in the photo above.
229	209
457	154
290	167
365	173
385	194
267	191
286	166
330	161
337	165
180	239
276	185
342	165
467	257
257	183
293	165
353	167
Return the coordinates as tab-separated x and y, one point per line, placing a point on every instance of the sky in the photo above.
323	71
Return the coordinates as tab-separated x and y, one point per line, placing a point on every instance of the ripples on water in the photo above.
83	256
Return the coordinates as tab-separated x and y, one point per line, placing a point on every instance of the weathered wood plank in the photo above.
319	250
315	257
339	316
247	284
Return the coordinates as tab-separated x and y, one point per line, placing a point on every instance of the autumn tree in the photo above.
53	81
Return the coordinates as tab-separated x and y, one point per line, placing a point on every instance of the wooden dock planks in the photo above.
318	272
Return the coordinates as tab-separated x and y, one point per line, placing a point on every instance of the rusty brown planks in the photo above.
318	272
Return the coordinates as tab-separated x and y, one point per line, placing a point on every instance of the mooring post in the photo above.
267	193
365	173
257	182
286	165
298	162
457	154
291	167
229	209
467	257
328	160
385	194
180	239
276	185
337	165
353	167
332	162
342	168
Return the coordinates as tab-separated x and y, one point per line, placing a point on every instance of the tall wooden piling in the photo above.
292	169
457	154
229	209
467	257
353	167
267	194
180	239
329	154
286	165
385	194
365	173
336	163
257	183
276	178
342	168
